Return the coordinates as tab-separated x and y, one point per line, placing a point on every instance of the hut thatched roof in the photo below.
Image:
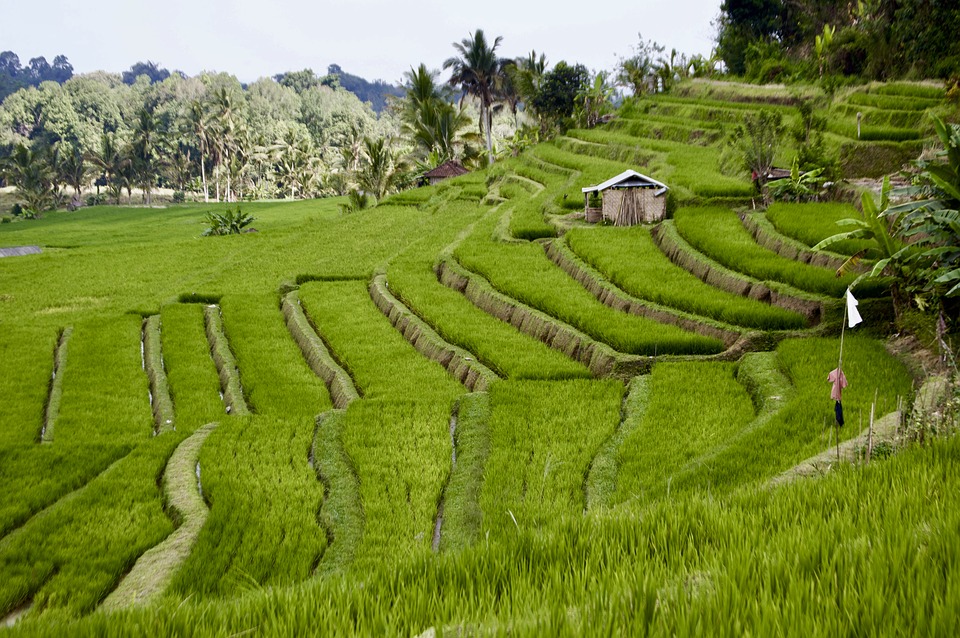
447	169
627	179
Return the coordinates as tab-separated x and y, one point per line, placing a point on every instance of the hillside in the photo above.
468	411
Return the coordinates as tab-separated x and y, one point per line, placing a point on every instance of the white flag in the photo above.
853	315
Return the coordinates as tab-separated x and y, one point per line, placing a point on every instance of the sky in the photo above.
375	39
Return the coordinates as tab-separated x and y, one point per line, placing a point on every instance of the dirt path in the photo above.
885	429
154	570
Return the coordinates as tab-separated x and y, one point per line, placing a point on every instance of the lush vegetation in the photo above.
387	497
632	261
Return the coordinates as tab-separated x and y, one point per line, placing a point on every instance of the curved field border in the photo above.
767	236
155	568
52	408
226	363
600	484
342	388
610	295
463	365
601	359
160	400
341	516
814	308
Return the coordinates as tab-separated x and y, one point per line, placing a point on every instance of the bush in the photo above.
98	199
230	222
179	197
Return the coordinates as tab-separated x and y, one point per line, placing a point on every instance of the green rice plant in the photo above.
496	344
71	554
719	234
692	408
104	376
631	260
401	450
26	367
543	438
191	373
893	101
527	222
812	223
382	363
879	117
873	133
755	561
909	89
804	425
275	377
104	412
264	499
462	517
411	197
525	273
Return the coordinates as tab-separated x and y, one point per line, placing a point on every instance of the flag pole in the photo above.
843	327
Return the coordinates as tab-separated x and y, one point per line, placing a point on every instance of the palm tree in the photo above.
433	124
31	174
197	124
479	73
381	169
147	140
226	125
113	164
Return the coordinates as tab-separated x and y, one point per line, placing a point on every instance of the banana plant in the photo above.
893	253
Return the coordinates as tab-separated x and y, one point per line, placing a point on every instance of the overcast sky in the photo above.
376	39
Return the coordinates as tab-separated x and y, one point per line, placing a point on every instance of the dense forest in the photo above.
301	134
780	40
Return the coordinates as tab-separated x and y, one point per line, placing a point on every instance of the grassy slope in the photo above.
716	554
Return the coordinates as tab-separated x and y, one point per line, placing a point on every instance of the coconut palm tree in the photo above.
144	150
434	124
198	127
226	123
479	73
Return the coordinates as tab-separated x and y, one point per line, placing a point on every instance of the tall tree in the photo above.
145	151
198	127
479	73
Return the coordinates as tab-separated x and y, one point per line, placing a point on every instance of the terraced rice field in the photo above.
461	411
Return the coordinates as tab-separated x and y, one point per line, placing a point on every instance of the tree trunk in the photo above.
487	115
203	176
227	194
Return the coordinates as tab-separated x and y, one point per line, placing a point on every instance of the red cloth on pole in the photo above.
839	381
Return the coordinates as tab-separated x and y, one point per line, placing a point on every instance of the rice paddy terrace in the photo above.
465	412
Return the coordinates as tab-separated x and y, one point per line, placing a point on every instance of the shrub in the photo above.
229	222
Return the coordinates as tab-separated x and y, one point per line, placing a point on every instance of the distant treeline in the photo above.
14	76
780	40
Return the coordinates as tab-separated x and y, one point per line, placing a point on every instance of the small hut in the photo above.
627	199
446	170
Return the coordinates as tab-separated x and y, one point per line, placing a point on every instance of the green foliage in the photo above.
557	97
633	262
525	273
812	223
755	142
230	222
720	235
799	187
